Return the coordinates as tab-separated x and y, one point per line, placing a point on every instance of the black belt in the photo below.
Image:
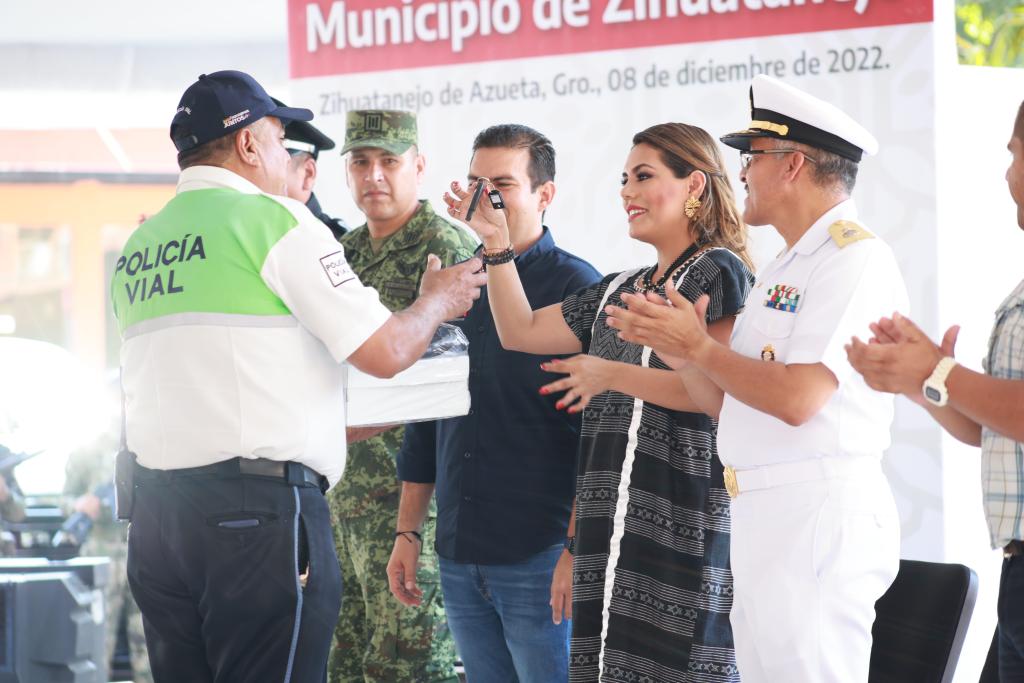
291	472
1013	549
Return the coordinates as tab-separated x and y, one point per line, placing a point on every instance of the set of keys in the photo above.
494	196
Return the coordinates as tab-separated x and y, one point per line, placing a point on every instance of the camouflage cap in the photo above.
394	131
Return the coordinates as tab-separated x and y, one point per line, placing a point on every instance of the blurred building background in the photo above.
84	152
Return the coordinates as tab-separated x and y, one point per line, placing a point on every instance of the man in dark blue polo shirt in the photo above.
504	473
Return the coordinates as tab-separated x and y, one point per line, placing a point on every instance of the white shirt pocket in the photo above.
773	323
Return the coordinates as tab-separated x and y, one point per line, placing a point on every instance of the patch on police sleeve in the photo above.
337	268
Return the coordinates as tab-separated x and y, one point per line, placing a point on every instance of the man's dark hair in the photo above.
211	153
541	168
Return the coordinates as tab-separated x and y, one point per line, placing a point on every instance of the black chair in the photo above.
921	622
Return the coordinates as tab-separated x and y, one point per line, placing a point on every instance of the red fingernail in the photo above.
543	390
558	405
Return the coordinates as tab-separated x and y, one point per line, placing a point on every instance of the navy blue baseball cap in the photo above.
221	103
300	136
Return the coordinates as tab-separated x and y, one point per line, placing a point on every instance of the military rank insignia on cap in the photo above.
778	110
392	130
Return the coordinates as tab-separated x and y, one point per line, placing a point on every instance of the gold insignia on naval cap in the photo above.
778	128
848	232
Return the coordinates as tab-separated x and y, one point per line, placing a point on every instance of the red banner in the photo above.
328	37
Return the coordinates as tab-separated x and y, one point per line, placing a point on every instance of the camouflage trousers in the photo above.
377	638
119	600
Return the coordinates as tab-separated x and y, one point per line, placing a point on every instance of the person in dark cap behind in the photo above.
236	309
304	143
377	639
815	533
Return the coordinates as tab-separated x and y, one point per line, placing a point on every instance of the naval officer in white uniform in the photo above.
815	534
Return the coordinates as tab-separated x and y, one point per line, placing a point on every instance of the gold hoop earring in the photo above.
691	206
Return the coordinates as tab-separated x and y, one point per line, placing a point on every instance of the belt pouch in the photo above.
124	484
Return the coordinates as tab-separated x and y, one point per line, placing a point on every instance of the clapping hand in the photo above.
674	328
899	357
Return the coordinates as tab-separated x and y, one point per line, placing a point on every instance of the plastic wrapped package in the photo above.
434	387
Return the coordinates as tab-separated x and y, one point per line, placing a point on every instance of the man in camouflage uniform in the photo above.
90	471
377	639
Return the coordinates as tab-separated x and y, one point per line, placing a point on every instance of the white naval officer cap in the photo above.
778	110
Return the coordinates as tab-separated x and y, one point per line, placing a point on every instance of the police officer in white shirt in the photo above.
815	534
237	308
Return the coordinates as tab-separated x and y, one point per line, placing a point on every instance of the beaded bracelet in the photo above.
495	257
417	534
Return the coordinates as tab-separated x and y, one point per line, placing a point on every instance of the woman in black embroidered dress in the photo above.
651	586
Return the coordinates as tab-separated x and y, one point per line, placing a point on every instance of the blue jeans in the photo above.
500	616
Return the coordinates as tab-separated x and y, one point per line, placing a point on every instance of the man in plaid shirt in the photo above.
984	410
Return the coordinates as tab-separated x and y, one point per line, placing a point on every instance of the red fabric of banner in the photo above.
329	37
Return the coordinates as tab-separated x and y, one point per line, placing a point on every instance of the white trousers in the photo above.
809	561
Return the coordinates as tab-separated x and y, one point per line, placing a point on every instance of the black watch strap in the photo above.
570	544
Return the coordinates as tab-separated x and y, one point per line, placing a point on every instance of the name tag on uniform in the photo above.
400	288
782	298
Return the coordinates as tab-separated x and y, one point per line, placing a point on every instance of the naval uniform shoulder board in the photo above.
848	232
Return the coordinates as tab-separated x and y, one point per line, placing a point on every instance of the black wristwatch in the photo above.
570	544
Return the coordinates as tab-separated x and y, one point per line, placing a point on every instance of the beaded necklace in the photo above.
644	285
